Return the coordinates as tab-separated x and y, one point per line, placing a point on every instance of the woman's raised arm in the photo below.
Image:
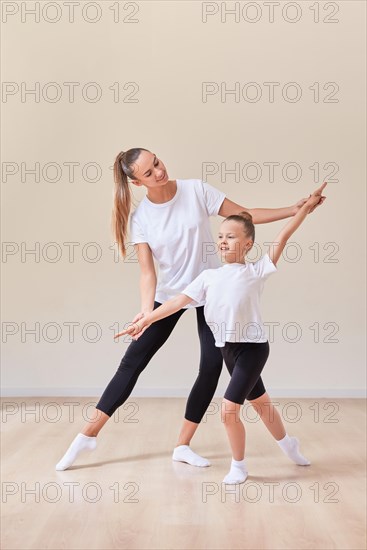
264	215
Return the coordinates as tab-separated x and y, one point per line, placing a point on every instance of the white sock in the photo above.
183	453
290	447
81	443
238	472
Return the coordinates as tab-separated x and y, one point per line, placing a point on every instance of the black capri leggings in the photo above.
139	353
245	361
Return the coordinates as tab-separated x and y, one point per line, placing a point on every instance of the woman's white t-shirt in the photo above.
179	235
232	300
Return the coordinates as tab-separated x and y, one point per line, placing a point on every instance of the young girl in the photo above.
232	295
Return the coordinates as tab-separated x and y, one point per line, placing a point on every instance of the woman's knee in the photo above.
211	367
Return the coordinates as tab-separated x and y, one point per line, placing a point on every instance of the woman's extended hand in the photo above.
137	318
317	193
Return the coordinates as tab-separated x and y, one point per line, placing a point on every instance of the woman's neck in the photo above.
164	193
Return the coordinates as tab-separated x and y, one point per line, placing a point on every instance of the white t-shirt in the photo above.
179	235
232	300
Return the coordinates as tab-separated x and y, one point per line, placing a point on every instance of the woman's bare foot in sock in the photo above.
80	444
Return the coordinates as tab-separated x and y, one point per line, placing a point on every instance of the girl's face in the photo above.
149	171
232	242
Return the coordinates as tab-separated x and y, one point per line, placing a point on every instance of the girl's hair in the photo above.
246	219
122	170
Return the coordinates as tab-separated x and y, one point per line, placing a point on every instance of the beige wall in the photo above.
169	52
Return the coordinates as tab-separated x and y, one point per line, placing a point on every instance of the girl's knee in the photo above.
230	412
258	401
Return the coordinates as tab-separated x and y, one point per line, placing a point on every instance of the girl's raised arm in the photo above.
277	246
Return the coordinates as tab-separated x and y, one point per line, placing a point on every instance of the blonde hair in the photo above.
246	219
122	170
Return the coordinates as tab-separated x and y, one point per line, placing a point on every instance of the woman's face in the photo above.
149	170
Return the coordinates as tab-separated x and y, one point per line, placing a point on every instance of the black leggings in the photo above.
140	352
245	361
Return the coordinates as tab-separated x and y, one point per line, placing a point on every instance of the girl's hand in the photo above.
298	205
137	318
135	329
316	198
321	199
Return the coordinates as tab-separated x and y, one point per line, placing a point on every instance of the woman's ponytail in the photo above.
122	170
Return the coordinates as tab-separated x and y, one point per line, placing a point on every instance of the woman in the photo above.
180	208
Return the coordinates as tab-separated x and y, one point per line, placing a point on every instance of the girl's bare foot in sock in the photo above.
290	447
237	474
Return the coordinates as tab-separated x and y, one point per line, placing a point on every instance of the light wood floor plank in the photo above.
129	494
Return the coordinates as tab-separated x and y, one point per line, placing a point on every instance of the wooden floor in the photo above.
129	494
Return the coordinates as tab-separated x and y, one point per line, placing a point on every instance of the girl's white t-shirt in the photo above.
232	300
179	235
